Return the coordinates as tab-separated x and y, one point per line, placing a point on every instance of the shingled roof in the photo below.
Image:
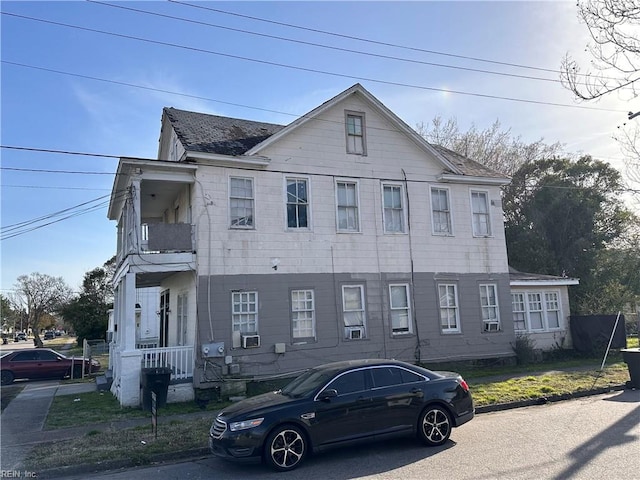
201	132
205	133
466	165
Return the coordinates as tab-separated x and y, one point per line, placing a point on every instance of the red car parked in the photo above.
42	363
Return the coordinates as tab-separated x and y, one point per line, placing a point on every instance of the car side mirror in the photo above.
328	394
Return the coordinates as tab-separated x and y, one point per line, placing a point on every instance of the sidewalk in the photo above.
22	423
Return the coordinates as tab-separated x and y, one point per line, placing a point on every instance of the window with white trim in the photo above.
353	311
244	312
449	311
355	131
552	307
490	310
534	305
297	203
393	209
536	311
347	206
400	309
303	314
440	211
241	202
519	310
480	214
182	318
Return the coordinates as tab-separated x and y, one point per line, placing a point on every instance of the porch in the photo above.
178	359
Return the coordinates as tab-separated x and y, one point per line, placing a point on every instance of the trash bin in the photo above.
155	380
631	356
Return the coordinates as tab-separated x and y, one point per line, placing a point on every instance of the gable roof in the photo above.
201	132
204	133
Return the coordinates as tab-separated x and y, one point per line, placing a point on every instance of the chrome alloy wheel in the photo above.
435	426
286	448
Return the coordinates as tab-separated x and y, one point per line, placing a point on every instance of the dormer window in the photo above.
355	130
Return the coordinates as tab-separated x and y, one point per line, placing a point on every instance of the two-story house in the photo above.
342	235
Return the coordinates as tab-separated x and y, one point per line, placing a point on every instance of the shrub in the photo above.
525	350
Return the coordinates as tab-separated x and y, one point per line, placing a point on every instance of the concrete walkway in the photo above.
25	416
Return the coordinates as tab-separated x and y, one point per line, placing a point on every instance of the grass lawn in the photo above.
139	446
8	393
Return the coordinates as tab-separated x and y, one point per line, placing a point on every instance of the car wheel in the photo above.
6	377
285	448
434	426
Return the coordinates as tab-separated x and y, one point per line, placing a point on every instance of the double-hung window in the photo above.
241	202
490	310
182	318
519	310
355	131
353	311
400	309
440	211
303	314
536	311
347	206
449	311
552	306
244	312
480	214
297	203
393	211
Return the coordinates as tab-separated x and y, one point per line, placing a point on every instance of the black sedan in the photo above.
339	404
42	363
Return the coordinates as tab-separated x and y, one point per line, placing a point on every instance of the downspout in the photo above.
417	352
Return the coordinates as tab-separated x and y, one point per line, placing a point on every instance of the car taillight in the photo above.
464	385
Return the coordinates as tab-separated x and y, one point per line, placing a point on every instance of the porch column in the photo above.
136	219
130	358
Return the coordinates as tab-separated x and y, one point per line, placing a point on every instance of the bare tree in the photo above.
615	48
493	147
614	27
39	295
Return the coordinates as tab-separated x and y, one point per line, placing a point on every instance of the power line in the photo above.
306	69
27	226
329	47
54	171
64	152
367	40
4	185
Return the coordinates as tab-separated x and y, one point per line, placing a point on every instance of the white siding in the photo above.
317	149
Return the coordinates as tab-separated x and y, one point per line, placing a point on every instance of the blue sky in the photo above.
88	77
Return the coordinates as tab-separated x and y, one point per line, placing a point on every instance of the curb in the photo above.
198	453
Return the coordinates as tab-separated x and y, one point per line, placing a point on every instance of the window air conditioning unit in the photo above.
250	341
355	333
491	327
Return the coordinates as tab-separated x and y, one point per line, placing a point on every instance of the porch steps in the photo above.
103	382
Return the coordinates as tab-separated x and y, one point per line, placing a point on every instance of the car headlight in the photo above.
254	422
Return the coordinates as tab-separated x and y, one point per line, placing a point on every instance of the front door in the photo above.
164	318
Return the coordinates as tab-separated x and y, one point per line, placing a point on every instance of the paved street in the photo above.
593	437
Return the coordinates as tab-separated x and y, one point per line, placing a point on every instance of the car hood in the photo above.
256	405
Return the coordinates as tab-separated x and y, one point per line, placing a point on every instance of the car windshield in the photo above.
307	383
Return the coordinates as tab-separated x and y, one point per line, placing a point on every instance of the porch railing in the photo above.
178	359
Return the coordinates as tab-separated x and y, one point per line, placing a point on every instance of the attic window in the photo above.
355	131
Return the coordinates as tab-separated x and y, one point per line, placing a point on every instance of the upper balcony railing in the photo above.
158	238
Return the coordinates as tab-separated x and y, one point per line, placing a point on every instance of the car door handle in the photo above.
363	399
417	392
